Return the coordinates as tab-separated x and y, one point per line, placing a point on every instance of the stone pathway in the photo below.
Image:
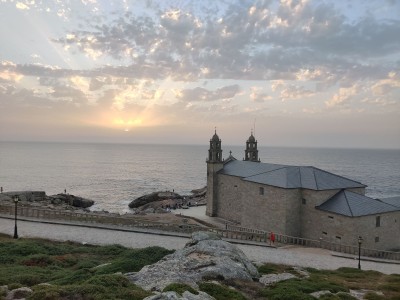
295	256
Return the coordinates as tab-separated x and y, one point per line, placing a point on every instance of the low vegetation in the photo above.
56	270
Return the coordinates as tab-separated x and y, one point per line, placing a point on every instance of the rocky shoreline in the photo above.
40	199
157	202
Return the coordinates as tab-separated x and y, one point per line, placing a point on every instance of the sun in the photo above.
127	124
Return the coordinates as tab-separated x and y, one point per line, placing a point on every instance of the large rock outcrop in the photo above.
175	296
205	257
153	197
40	199
71	200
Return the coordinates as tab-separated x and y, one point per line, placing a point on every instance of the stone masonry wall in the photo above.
229	196
345	230
293	212
241	202
212	188
317	224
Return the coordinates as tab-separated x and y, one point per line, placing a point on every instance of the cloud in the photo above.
202	94
256	95
169	62
343	97
387	85
289	91
246	42
21	6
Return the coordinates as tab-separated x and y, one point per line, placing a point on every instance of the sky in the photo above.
299	73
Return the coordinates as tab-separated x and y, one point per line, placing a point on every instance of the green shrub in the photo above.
338	296
13	286
270	268
109	280
373	296
110	250
38	260
87	264
45	292
26	276
180	288
392	286
220	292
78	276
300	289
87	291
285	292
134	260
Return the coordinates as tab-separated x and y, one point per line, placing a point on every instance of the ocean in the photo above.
115	174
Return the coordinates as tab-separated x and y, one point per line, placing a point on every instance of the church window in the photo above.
261	191
330	217
378	221
304	201
324	233
377	239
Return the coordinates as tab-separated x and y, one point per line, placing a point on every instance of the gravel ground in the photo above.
296	256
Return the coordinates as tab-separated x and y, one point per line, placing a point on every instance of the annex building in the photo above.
299	201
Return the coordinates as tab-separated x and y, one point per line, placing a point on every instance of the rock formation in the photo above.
205	257
175	296
153	197
160	202
40	199
72	200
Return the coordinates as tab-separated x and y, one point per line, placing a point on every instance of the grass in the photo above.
180	288
71	270
66	270
220	291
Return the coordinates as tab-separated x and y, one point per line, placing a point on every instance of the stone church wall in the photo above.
317	224
275	210
345	230
229	196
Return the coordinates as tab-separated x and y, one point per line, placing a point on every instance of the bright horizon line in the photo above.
193	144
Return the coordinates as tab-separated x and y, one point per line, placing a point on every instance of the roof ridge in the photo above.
283	167
315	178
347	201
324	171
374	199
300	177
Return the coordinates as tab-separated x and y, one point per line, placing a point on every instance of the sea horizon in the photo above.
195	144
114	174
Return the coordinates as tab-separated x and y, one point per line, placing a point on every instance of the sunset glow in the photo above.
311	73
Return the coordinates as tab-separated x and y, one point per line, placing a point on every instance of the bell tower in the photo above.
214	164
251	152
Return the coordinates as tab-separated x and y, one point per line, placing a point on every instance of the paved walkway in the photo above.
296	256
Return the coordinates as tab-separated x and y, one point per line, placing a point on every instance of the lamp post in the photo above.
16	199
359	252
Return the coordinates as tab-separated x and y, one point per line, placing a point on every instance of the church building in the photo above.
299	201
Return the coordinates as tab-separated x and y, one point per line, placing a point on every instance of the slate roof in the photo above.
355	205
392	200
290	177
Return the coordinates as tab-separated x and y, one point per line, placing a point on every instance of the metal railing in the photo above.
236	232
95	218
230	232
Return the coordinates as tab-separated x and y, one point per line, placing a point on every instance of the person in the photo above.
65	191
272	238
